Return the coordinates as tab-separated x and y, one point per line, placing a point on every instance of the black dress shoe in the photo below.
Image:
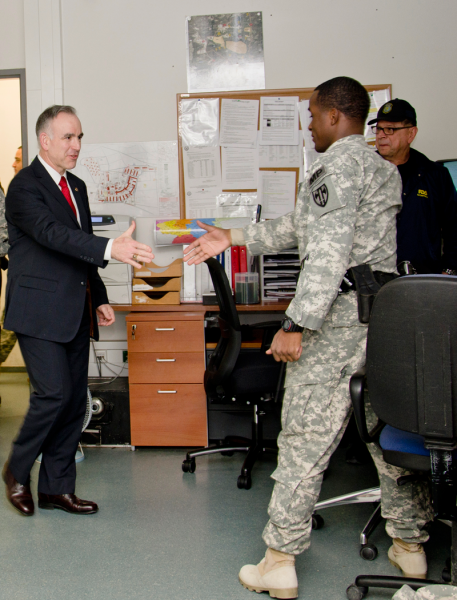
67	502
19	495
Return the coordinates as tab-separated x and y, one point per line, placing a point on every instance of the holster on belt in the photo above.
367	287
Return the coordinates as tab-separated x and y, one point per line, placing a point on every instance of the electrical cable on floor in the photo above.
97	359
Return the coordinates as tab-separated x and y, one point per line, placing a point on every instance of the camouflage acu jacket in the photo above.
3	227
345	215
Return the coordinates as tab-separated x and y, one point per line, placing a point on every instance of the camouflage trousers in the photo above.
407	508
316	409
7	341
429	592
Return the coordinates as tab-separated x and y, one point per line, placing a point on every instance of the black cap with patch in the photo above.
395	111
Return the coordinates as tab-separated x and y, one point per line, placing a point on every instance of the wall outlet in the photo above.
100	355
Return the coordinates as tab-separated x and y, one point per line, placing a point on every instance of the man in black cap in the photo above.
426	225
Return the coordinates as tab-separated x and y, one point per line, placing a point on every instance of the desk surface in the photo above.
272	307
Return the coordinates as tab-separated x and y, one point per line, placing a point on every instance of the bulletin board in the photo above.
301	93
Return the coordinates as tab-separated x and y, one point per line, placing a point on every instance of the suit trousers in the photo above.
58	373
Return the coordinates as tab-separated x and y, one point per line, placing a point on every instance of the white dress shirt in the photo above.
56	177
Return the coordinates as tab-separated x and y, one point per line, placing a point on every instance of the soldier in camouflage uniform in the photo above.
3	227
3	250
8	338
7	341
345	216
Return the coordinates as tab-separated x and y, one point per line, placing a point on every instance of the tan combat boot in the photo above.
274	574
409	558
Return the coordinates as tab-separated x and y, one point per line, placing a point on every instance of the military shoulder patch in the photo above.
324	196
320	172
320	195
422	193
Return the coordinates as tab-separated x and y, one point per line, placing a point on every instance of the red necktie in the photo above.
66	192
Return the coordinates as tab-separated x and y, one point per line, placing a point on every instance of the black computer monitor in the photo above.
451	165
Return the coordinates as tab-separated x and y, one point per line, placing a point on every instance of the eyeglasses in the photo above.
388	130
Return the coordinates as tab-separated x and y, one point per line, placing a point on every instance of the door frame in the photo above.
15	74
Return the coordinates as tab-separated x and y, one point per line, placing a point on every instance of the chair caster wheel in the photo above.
368	552
188	465
227	453
354	592
317	522
244	482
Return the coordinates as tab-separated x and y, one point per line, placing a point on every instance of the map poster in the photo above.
186	231
139	179
225	52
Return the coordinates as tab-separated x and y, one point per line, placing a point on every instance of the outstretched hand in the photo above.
129	251
210	244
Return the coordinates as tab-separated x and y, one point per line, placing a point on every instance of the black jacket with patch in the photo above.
427	223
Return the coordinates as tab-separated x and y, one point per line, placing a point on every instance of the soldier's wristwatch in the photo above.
290	327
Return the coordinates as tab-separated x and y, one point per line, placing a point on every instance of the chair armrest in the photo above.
356	389
280	387
266	324
270	328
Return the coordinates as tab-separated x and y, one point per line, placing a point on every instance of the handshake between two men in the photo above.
286	346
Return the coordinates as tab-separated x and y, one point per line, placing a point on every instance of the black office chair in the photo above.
411	377
254	378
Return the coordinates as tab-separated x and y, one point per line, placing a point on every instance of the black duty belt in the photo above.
366	283
348	283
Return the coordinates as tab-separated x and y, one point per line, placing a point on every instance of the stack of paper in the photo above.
280	275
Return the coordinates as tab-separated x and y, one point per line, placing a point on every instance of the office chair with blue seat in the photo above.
254	378
411	377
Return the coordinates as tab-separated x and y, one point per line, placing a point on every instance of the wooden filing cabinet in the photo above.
166	369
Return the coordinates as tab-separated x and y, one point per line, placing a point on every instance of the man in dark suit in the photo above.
53	300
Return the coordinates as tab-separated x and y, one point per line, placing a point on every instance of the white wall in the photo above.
12	50
124	62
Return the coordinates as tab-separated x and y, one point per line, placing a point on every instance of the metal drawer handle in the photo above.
165	359
167	392
165	328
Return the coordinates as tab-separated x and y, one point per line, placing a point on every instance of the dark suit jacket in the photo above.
51	257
